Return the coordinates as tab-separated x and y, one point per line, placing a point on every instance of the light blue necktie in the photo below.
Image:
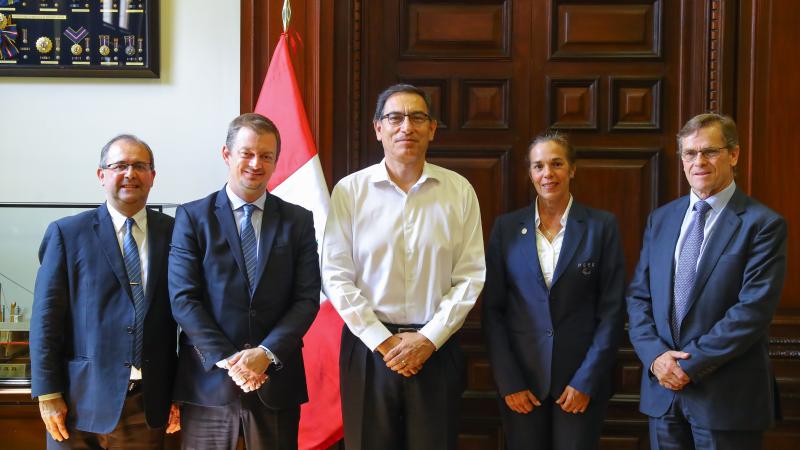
134	268
687	267
249	244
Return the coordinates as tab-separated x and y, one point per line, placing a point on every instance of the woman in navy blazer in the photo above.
553	309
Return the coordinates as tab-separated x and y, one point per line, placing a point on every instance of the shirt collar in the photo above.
718	201
563	216
380	174
237	202
119	219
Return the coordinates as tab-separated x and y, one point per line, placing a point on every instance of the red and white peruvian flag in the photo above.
298	179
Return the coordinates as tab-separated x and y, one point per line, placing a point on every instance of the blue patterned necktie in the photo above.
134	268
249	244
687	267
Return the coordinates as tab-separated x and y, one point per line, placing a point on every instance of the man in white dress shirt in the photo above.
403	263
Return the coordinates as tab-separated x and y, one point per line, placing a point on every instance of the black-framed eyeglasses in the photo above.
710	153
122	167
397	118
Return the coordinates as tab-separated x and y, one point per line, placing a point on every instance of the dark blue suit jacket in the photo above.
211	299
83	314
545	339
738	285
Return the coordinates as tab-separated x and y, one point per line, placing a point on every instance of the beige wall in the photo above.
52	129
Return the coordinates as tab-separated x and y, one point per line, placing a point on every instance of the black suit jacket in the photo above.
81	335
212	303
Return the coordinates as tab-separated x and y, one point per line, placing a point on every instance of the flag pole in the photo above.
286	14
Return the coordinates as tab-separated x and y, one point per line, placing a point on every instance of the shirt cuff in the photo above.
274	359
374	335
49	396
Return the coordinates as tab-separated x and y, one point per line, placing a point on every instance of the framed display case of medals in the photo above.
86	38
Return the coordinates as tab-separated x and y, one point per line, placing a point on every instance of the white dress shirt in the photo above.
238	212
403	258
548	251
718	202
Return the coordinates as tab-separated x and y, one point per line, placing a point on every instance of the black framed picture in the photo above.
87	38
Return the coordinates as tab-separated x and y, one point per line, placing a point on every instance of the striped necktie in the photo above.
249	244
687	267
134	268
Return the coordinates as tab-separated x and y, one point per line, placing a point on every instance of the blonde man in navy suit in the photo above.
553	309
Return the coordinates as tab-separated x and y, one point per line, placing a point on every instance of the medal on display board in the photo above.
101	38
8	39
76	36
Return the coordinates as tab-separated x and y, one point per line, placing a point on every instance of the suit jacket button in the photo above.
127	364
246	345
550	333
252	313
130	330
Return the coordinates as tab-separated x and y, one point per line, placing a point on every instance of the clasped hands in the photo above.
571	401
669	372
247	368
405	353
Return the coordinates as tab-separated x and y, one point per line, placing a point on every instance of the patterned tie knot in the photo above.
248	211
129	223
701	207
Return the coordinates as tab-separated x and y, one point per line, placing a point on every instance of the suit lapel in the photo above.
269	227
573	235
664	248
727	224
230	230
528	240
109	244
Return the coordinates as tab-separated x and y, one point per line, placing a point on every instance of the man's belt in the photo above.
400	328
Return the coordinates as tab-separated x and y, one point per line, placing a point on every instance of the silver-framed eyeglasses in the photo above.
710	153
397	118
122	167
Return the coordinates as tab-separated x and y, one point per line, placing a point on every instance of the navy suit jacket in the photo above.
545	339
83	317
211	298
737	288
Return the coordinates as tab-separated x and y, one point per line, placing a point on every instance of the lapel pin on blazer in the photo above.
524	231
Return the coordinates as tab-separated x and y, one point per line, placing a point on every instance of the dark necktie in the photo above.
249	244
134	268
687	267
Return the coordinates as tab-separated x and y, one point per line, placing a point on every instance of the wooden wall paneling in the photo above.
573	103
766	92
455	30
635	104
606	29
485	104
624	181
